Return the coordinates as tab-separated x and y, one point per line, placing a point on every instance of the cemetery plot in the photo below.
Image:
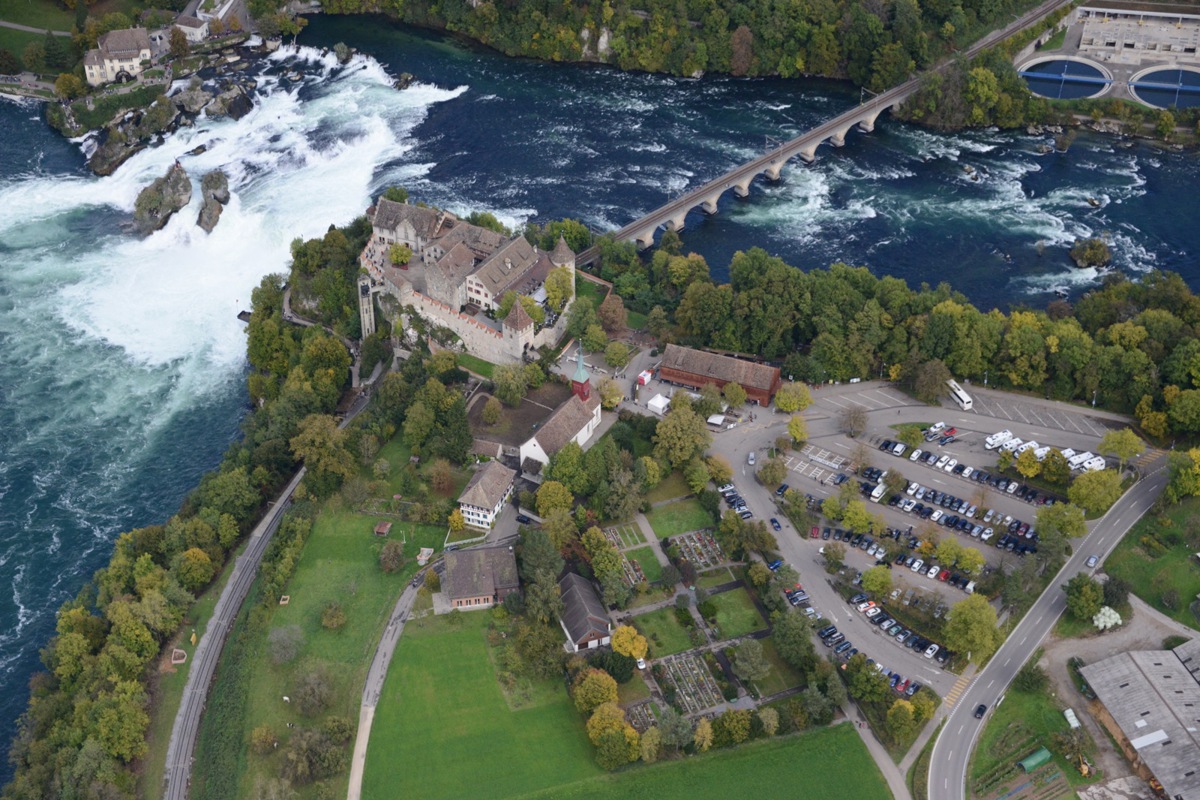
641	716
700	548
632	571
624	536
695	688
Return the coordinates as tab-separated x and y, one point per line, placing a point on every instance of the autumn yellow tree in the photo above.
628	642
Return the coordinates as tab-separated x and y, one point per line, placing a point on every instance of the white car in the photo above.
937	427
950	465
915	455
968	472
866	605
641	663
750	459
938	514
912	488
872	613
931	651
917	565
941	462
908	504
987	534
933	572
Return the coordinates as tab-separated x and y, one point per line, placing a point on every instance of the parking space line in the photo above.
832	401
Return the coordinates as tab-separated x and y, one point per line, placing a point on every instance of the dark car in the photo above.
827	631
524	520
913	688
887	444
980	710
825	534
780	491
858	598
776	564
775	524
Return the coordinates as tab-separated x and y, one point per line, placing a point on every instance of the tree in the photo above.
877	581
680	436
1116	592
852	420
322	446
797	429
262	739
971	561
793	397
1096	491
734	394
835	556
616	355
34	57
772	472
1084	596
1065	519
594	339
433	581
441	476
930	380
1028	465
610	393
391	557
1164	124
553	496
702	736
333	617
866	684
1055	468
856	517
719	469
612	314
68	87
180	47
313	691
628	642
606	717
592	688
676	729
1031	677
560	288
651	742
491	411
749	663
769	719
9	64
949	551
1124	444
510	383
657	322
561	528
731	727
456	521
971	628
193	569
901	721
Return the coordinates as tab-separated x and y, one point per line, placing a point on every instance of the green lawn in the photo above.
590	289
715	577
736	614
476	365
679	517
633	690
340	562
668	488
1177	569
636	321
666	635
827	762
1021	724
41	14
782	676
16	41
650	565
443	729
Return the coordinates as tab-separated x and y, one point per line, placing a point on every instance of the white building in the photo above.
574	421
485	495
195	29
119	56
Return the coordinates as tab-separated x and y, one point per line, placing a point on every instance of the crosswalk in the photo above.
956	691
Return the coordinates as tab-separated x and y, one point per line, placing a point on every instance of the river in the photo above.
121	360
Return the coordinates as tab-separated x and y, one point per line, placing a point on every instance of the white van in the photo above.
1011	444
997	439
970	588
877	493
937	427
1028	446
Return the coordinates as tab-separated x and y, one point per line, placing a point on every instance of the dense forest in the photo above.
873	43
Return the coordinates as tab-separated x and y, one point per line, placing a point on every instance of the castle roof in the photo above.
481	241
507	266
426	222
562	254
457	264
124	44
518	318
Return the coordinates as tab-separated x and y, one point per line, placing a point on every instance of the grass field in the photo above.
633	690
828	762
591	290
715	577
782	676
1021	724
679	517
736	614
668	488
443	729
16	41
636	321
339	563
666	635
41	14
1177	568
476	365
650	565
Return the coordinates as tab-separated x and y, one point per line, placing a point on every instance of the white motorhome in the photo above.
997	439
1041	453
1079	459
1068	454
1028	446
1011	444
1094	464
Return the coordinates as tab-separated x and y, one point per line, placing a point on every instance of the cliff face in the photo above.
158	201
214	187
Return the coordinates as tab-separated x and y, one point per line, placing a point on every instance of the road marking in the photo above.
993	680
1006	661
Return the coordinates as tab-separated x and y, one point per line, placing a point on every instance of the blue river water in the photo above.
122	363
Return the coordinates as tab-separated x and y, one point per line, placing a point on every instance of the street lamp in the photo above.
1094	391
985	373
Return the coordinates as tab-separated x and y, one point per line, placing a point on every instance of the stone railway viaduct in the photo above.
673	214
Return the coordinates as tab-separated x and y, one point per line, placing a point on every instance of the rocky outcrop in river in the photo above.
214	187
158	201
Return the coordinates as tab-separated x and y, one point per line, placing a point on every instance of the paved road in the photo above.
952	752
17	27
186	727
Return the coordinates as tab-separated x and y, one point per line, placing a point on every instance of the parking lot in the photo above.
1031	414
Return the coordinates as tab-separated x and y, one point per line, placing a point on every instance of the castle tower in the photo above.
518	330
581	384
562	255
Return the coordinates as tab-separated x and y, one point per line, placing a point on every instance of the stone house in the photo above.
485	494
195	29
584	618
480	577
118	56
574	421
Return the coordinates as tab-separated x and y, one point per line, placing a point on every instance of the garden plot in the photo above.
632	571
695	688
624	536
700	548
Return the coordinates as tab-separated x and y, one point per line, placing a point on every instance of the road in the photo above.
18	27
952	752
186	727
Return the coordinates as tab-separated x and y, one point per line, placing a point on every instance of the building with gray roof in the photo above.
584	618
480	577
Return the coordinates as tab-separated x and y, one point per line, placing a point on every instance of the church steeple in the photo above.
581	384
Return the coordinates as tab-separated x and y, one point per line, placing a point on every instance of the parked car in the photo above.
523	520
750	458
783	487
931	651
775	524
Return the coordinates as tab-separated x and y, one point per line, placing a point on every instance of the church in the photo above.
574	421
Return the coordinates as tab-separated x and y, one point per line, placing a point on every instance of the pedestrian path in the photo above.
957	689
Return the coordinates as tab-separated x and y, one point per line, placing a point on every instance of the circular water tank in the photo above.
1163	88
1065	78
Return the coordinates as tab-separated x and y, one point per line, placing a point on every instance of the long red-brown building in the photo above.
694	368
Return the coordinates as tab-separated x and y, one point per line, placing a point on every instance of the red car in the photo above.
815	533
943	575
950	432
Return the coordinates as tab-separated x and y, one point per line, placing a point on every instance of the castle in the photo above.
457	273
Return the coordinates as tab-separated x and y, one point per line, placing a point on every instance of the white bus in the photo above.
962	398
